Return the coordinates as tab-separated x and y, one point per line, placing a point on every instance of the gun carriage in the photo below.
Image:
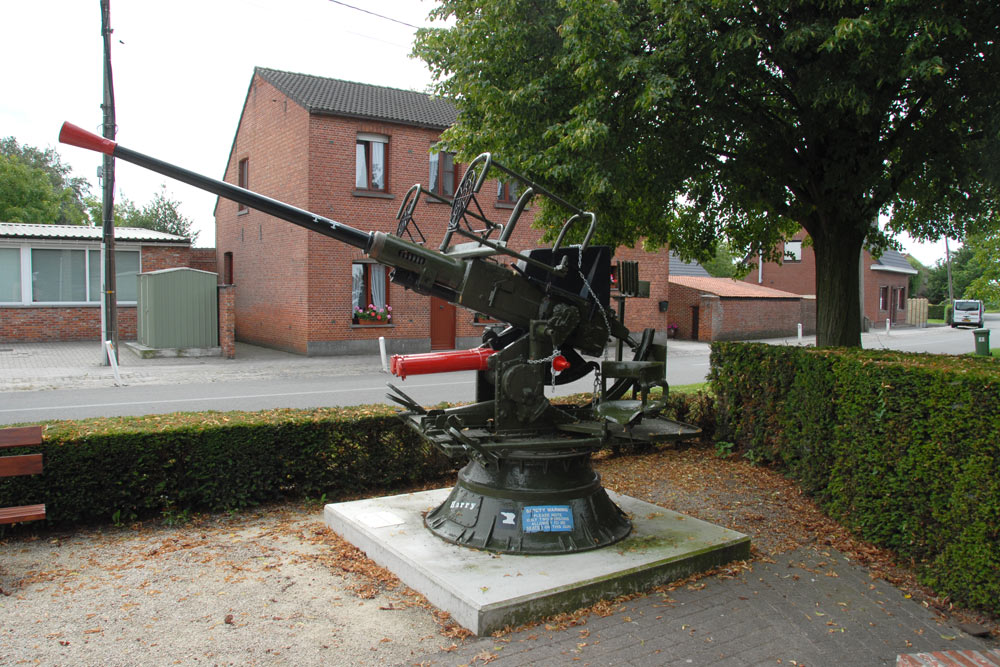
529	486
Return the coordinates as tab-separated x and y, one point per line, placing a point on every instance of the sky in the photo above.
181	73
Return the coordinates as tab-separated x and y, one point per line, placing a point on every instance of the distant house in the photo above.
884	280
350	152
50	278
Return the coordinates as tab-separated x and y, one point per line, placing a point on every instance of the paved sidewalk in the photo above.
808	607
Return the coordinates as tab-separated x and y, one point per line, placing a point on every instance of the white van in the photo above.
967	312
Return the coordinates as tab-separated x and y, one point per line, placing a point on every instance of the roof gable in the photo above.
321	95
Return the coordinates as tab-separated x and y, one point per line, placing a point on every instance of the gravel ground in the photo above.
273	587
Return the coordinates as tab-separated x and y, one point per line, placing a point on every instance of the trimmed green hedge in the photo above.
902	448
101	470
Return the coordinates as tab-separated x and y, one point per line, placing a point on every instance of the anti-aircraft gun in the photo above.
529	486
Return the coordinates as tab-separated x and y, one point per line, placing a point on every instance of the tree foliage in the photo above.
35	187
685	122
162	214
986	254
966	269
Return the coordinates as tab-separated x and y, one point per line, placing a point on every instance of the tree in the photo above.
39	182
162	214
918	283
721	265
965	269
986	253
684	122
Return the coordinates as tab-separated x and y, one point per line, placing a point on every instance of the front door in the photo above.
694	322
442	324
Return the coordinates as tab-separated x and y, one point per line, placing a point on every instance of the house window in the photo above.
244	181
74	276
507	193
10	275
227	268
883	298
370	162
370	294
793	251
902	298
442	174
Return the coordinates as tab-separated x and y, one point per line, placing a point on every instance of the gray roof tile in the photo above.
679	267
893	261
320	95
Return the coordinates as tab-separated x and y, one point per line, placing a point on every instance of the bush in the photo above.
902	448
101	470
936	311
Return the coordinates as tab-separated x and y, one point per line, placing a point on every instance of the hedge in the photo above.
119	469
902	448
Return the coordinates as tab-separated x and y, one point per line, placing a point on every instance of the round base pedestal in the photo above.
535	503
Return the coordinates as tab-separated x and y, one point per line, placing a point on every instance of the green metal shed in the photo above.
178	308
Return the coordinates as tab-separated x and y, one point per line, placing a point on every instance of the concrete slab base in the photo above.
144	352
486	592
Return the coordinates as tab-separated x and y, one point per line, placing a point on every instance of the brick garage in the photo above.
28	315
298	141
708	309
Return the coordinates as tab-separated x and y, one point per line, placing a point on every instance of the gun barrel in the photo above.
76	136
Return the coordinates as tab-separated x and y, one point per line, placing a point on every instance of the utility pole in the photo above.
109	296
947	261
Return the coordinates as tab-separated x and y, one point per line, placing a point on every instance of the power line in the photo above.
387	18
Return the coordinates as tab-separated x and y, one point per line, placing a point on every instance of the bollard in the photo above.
887	325
800	333
381	349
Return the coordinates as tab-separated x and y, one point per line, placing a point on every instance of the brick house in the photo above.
884	281
350	152
50	278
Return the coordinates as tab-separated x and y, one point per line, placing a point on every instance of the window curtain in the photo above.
361	167
357	286
378	165
58	276
433	176
378	285
10	275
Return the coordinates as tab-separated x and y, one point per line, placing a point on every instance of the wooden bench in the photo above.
24	464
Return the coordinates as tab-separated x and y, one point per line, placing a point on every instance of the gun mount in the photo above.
529	486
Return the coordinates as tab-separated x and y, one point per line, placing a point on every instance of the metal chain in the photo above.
600	308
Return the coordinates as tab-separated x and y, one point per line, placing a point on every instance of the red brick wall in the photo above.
795	277
654	267
49	324
203	259
874	281
227	320
269	255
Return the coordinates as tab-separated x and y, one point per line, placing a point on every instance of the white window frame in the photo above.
792	251
26	272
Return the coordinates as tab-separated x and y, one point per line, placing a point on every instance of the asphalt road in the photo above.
278	392
317	390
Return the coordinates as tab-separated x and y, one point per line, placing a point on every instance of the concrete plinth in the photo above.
485	592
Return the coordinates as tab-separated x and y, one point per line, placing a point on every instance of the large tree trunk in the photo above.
838	301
